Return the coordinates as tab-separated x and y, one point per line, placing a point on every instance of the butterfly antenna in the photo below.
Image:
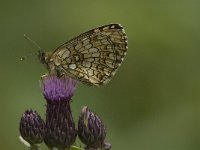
32	41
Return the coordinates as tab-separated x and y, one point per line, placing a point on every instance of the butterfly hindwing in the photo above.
94	56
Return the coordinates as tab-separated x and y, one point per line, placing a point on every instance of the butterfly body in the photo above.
92	58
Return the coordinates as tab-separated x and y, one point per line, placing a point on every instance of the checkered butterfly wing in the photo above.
94	56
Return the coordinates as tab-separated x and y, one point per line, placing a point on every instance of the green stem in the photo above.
75	148
34	147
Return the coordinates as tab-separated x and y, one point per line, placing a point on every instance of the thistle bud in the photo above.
31	127
91	130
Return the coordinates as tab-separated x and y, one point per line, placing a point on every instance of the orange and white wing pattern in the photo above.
94	56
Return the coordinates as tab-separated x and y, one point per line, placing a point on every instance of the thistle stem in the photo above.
34	147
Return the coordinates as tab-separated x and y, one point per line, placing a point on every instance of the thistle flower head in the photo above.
31	127
58	89
60	129
91	130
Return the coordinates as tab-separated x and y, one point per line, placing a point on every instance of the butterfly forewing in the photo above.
94	56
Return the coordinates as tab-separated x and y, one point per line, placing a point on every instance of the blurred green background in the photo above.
152	103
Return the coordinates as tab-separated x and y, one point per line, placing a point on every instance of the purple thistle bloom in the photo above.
58	89
31	127
60	129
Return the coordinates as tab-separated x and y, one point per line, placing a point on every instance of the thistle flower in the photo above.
60	129
58	89
91	130
31	127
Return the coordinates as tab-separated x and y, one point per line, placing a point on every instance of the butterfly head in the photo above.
42	56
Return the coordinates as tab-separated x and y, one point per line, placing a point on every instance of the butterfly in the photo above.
91	58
